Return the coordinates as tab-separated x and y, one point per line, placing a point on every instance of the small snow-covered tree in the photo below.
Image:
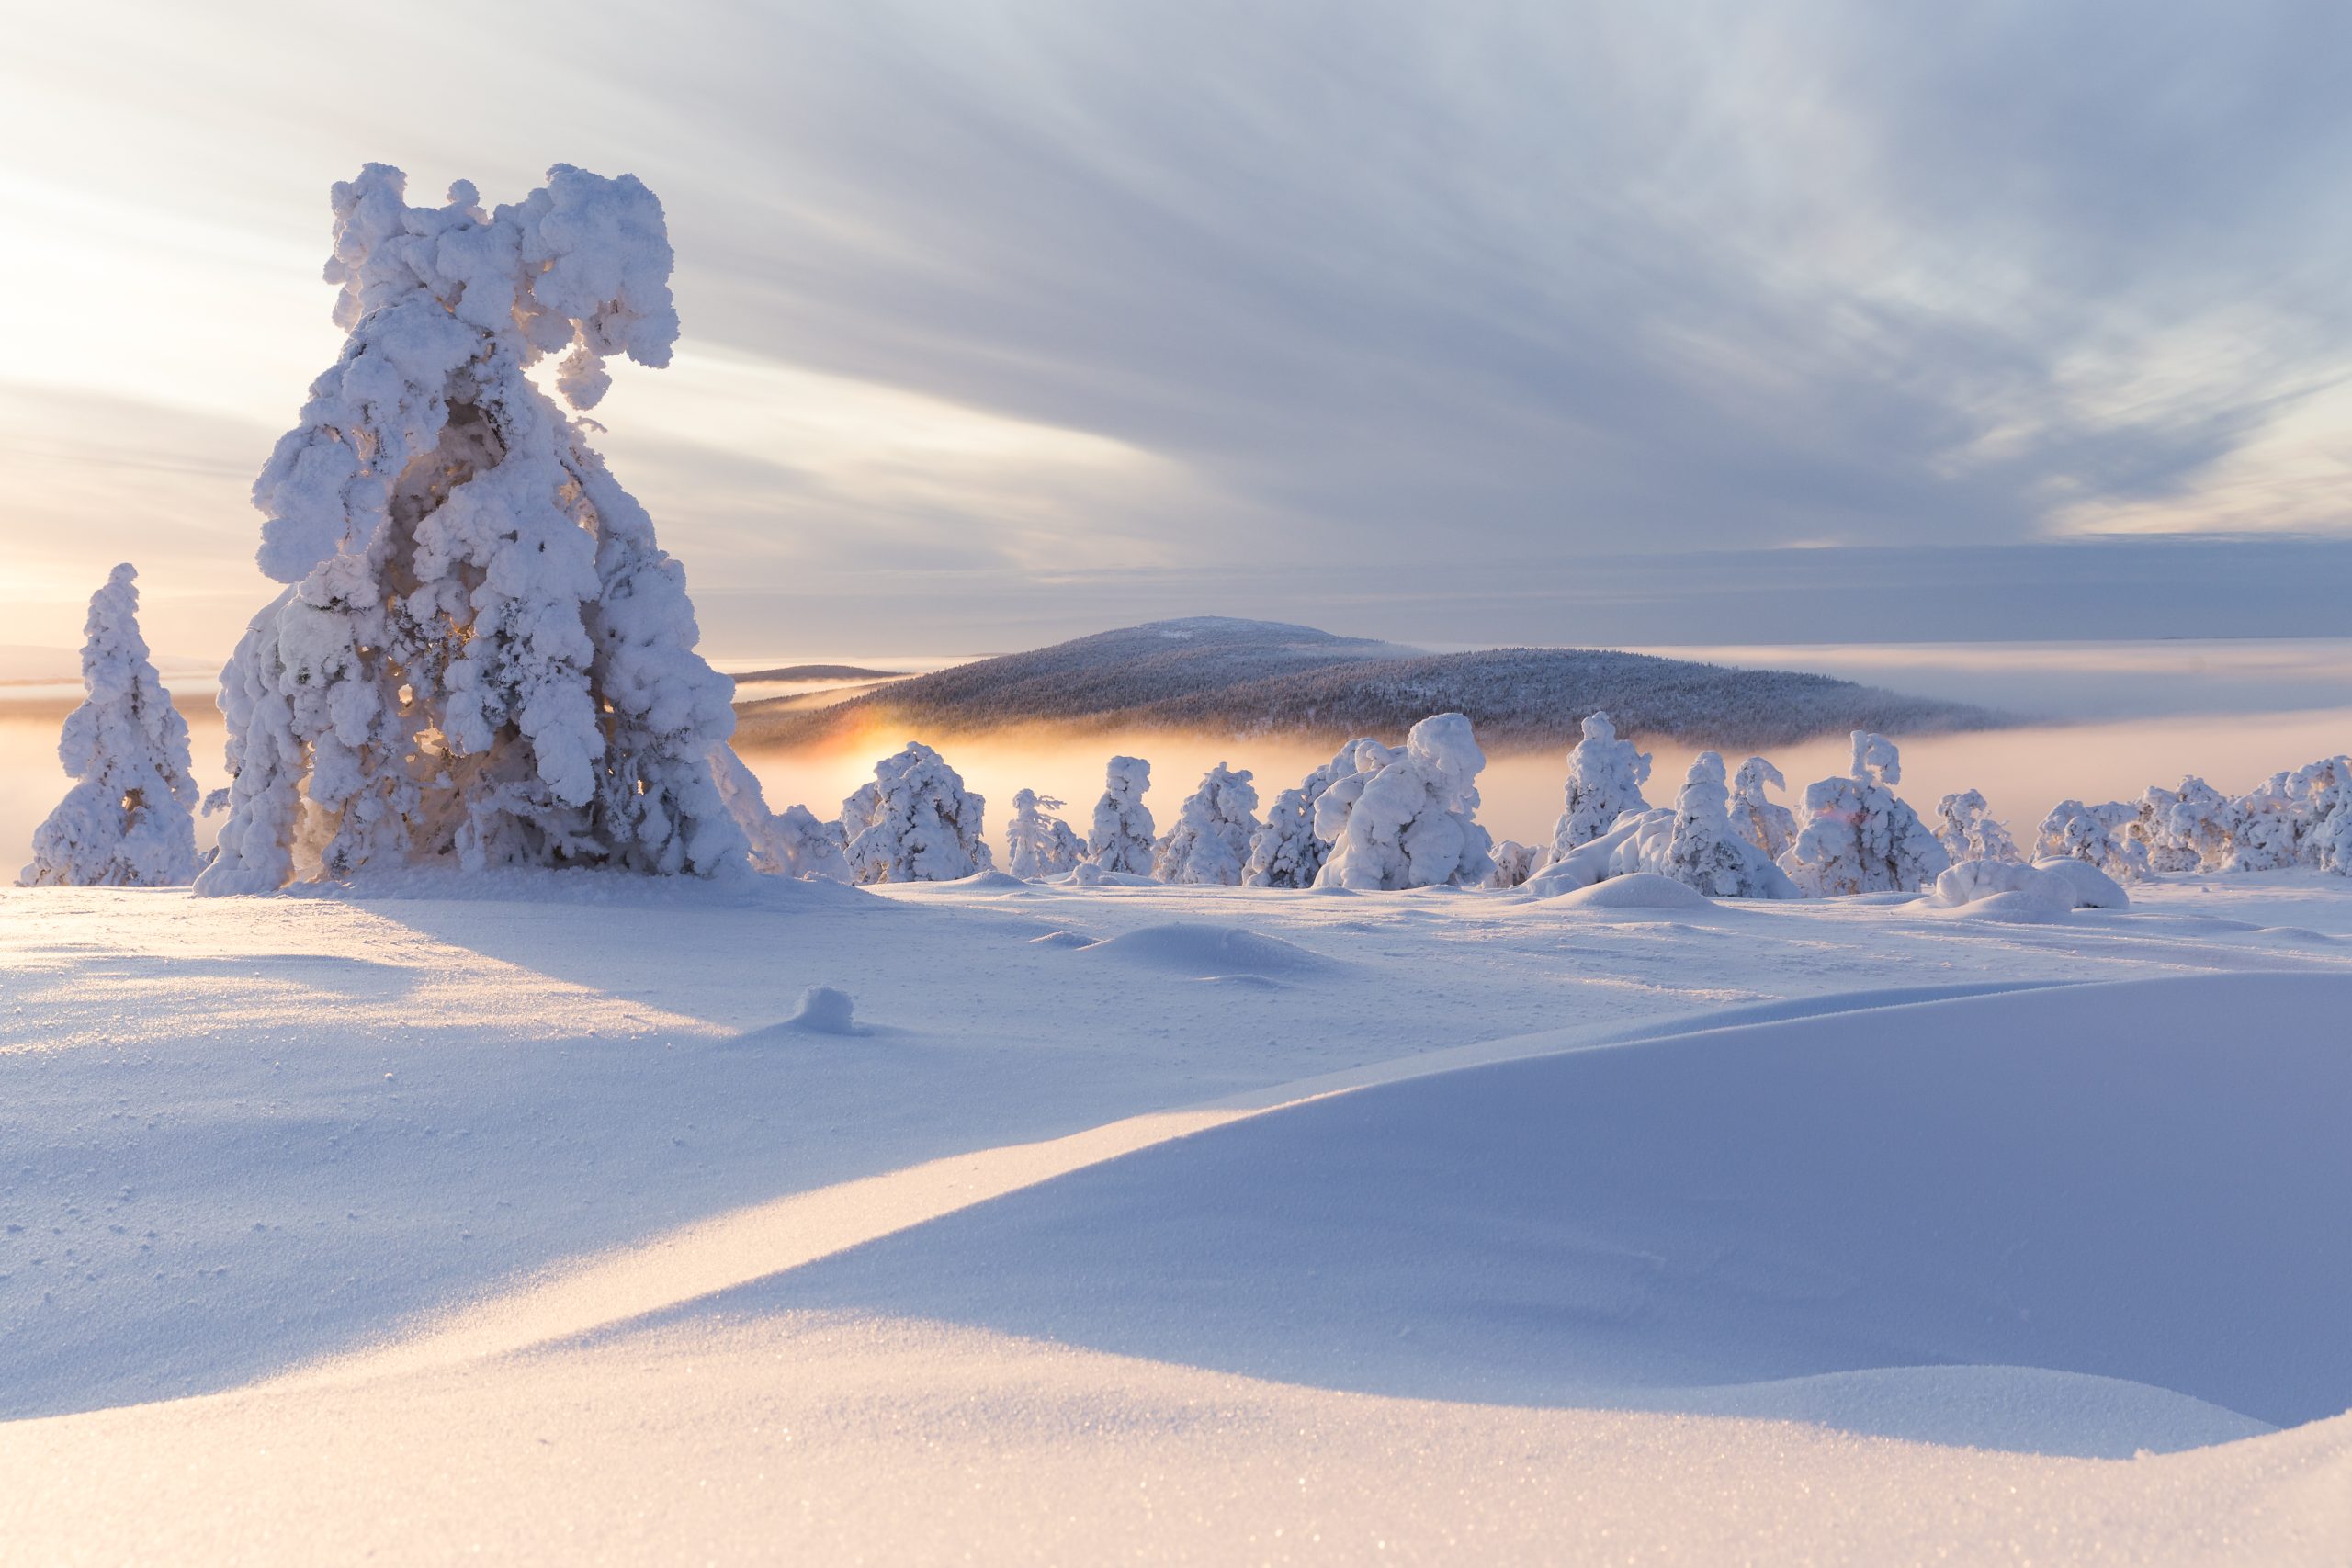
1123	836
1970	832
2187	828
2323	792
2265	828
1703	851
1605	779
1285	853
916	822
1041	843
482	656
1756	817
2097	835
1411	820
1210	841
129	822
809	848
1514	863
1861	836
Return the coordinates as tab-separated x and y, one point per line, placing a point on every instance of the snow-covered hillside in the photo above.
1190	1221
1244	678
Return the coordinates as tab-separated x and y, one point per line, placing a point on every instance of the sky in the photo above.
1695	325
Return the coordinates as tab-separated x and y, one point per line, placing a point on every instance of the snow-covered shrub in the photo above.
2097	835
1970	832
2016	890
1210	841
1702	852
1041	843
1861	837
916	822
482	656
130	820
1755	816
1408	821
807	847
1514	863
2187	828
1605	779
1123	836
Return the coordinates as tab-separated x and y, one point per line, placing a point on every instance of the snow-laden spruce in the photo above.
2185	828
1213	833
1040	843
130	820
915	822
1605	779
793	843
1703	851
1969	831
1411	820
2104	836
1861	836
482	656
1756	817
1287	852
1123	831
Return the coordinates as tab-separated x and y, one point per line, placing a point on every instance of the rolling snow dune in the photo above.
2139	1182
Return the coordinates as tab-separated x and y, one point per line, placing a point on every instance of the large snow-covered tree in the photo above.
1212	832
1605	779
1756	817
1123	836
1041	843
915	822
482	656
1408	818
1861	836
130	820
1969	831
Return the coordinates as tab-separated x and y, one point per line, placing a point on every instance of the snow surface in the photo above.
1182	1222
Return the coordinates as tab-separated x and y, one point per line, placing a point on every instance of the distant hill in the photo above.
1247	678
815	672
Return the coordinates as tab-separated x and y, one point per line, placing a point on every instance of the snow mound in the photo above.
824	1010
989	882
2094	889
1640	890
1207	951
2035	1196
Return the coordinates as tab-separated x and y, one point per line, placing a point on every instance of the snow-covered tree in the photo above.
2266	829
1862	837
2097	835
1514	863
916	822
1756	817
1969	831
1703	852
1211	840
1041	843
1605	779
2323	793
1285	853
793	843
2185	828
1123	836
1409	821
809	848
129	822
482	656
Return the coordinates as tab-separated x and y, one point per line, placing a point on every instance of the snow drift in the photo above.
2136	1181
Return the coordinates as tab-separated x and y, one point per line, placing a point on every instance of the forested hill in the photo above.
1248	678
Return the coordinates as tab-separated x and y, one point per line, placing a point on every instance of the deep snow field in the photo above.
1174	1222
